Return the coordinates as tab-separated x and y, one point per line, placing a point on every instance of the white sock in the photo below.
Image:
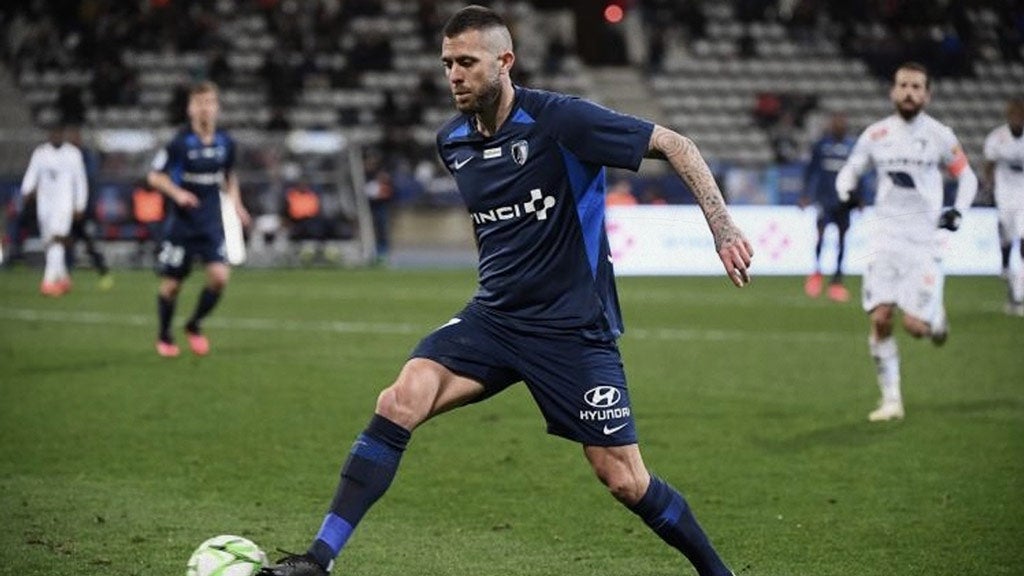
1016	282
887	363
55	268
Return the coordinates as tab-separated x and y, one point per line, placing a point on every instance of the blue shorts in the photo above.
177	251
575	377
838	214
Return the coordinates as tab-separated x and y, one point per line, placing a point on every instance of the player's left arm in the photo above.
988	167
682	154
967	182
234	192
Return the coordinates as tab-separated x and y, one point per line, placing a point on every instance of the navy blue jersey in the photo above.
535	194
827	157
201	169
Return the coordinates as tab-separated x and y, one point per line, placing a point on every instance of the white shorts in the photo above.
910	281
54	220
1011	224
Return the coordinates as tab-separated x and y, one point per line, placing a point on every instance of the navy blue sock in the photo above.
666	512
165	311
366	475
207	300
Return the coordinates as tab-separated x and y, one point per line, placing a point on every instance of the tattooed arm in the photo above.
732	246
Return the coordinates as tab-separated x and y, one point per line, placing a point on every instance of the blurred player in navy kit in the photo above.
530	167
827	157
191	171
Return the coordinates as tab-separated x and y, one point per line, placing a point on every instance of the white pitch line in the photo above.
386	328
257	324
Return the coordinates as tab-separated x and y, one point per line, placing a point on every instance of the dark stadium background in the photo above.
751	81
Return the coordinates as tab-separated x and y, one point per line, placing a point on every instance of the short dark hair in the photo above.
472	17
916	67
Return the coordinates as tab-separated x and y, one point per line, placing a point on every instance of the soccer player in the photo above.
908	150
530	167
1004	171
191	170
81	227
828	155
55	180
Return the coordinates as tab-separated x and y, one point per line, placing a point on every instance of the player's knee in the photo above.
624	487
408	401
915	327
169	289
217	280
881	321
622	483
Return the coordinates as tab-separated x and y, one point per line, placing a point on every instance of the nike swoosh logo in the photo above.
460	163
451	322
608	431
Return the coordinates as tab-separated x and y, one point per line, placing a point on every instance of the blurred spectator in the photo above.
652	194
555	55
148	213
83	228
620	194
746	46
380	192
785	139
70	106
657	45
114	84
176	108
767	109
281	80
373	52
218	68
305	219
278	120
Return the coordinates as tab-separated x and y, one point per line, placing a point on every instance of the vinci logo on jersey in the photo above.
538	204
604	399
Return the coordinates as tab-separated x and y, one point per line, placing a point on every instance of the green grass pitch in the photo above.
752	402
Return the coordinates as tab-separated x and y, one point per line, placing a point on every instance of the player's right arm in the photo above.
31	178
854	168
159	179
988	167
733	247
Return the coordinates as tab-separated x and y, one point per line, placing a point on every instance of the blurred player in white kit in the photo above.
908	150
56	180
1004	172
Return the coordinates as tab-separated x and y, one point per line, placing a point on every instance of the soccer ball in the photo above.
226	555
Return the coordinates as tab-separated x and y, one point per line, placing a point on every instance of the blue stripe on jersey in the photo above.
588	191
176	170
522	117
461	132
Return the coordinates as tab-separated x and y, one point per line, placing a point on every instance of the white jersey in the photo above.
908	157
1007	153
57	175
